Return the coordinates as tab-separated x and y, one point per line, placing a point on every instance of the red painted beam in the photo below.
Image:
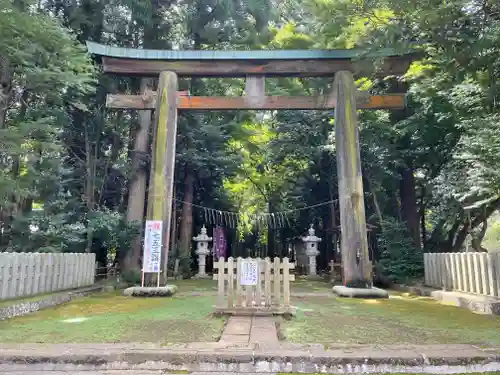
119	101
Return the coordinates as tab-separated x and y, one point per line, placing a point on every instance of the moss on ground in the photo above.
302	285
110	317
194	286
403	319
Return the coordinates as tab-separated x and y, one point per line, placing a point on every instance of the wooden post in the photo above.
161	181
255	90
354	245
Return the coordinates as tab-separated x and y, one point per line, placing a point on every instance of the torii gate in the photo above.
255	66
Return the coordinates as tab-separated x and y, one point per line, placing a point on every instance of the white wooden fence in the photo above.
269	295
477	273
28	274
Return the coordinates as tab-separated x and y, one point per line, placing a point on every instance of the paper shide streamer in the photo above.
232	220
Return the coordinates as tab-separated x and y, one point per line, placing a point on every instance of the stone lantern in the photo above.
202	251
311	242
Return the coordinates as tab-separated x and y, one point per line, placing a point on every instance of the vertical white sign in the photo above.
249	272
152	246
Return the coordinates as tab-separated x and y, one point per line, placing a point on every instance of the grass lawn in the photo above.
110	317
399	320
302	285
195	286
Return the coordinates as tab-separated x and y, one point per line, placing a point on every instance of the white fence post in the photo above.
426	269
496	258
6	279
477	273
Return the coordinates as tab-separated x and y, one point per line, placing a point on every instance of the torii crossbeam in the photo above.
255	66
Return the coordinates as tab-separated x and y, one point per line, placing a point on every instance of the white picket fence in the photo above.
28	274
270	295
477	273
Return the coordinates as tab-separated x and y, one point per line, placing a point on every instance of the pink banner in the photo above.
220	243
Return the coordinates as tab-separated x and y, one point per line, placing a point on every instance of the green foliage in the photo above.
48	232
113	231
131	277
400	261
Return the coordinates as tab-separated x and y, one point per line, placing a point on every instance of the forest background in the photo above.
73	174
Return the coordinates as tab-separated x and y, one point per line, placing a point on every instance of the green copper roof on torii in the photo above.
149	54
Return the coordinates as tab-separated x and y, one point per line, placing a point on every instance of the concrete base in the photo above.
472	302
162	291
343	291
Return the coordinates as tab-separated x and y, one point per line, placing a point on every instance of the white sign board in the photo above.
249	272
152	246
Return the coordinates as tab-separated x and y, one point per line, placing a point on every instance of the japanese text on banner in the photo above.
152	246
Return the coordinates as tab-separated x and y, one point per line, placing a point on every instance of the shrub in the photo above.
400	261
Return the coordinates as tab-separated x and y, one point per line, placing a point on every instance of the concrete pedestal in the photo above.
202	259
311	272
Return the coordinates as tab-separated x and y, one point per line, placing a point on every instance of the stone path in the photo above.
243	331
39	370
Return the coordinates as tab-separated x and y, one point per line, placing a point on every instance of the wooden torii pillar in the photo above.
354	243
255	66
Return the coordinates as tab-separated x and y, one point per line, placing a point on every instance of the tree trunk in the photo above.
423	227
271	245
5	96
409	206
90	175
187	216
485	214
137	190
477	238
5	89
173	239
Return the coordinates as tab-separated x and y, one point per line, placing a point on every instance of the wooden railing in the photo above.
253	286
477	273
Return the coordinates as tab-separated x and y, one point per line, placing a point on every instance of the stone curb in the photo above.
476	303
21	308
307	359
